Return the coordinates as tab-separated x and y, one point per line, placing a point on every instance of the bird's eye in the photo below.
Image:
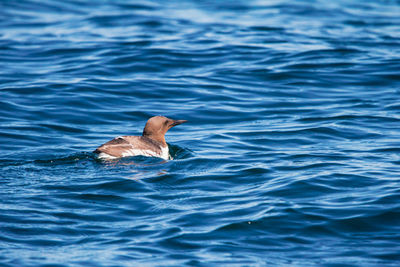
166	122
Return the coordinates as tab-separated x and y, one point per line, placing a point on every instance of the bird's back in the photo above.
124	146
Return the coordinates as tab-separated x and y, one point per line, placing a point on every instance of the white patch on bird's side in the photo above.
103	155
147	153
165	153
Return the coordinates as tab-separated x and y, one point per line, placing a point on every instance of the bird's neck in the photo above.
158	138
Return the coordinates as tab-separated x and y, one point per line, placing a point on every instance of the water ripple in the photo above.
290	155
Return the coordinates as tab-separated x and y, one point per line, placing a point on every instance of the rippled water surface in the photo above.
291	155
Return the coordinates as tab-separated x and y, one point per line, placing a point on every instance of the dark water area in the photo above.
291	153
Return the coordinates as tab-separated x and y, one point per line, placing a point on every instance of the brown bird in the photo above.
151	143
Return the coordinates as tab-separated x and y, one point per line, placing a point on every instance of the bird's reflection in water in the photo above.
138	167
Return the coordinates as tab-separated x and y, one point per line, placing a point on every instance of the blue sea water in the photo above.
291	156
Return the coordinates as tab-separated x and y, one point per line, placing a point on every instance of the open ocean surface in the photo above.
291	155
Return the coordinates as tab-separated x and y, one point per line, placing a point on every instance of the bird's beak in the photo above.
177	122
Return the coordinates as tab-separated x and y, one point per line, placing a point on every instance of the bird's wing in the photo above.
114	147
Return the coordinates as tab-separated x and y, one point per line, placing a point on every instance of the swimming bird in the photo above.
151	143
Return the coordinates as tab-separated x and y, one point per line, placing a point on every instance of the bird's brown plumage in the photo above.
151	143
